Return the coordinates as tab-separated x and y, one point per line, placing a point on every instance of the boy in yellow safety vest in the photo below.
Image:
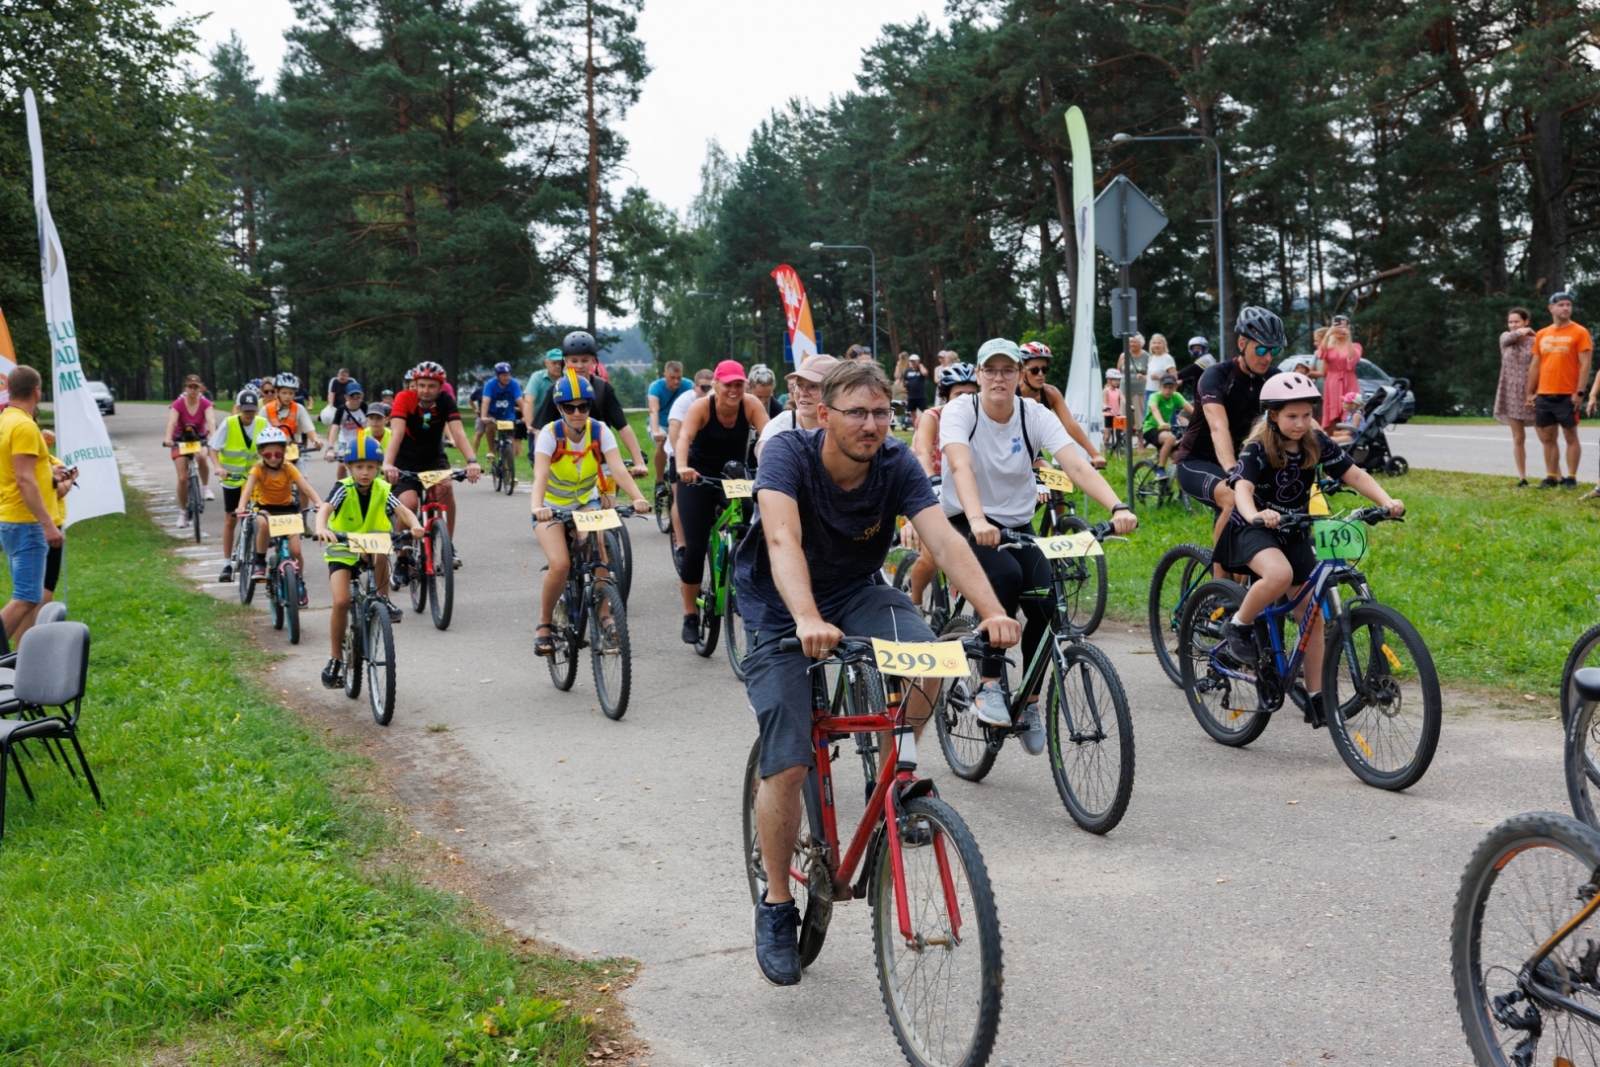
567	455
233	447
360	503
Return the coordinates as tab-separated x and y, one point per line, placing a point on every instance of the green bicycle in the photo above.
718	604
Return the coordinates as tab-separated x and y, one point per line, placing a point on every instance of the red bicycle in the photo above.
429	565
936	933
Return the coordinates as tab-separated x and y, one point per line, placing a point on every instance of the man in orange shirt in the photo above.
1556	375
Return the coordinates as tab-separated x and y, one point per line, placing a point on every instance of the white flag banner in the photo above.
81	437
1083	395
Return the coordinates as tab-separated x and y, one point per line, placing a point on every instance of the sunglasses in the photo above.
579	408
1040	369
1273	352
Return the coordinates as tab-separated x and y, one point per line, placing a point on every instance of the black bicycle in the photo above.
189	445
1179	572
1087	588
503	467
591	605
1088	725
369	635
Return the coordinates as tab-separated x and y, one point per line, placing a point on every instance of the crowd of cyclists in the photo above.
834	491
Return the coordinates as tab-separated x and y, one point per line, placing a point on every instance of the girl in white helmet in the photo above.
1278	466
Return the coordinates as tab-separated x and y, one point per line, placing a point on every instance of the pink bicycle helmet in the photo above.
1284	389
1352	398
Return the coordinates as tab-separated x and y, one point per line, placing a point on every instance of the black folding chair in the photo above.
52	672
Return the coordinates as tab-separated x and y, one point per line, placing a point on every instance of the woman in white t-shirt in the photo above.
989	443
805	388
1161	363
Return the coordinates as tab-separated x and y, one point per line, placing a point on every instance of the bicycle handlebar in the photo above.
1102	531
455	475
344	539
1300	520
859	649
564	515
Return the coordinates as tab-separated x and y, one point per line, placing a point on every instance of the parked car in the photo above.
104	398
1368	377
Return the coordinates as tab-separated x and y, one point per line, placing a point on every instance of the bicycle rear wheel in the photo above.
1581	747
355	642
610	653
662	506
442	582
289	586
1530	878
418	577
1148	487
963	737
1585	653
942	992
1090	735
563	658
735	643
197	502
1180	570
1381	697
815	910
1086	600
380	663
1220	704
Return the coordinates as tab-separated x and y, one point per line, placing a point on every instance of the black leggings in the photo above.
698	508
1013	571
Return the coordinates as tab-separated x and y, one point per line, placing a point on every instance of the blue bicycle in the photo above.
1379	688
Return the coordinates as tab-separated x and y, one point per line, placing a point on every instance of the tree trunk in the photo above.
1052	276
1547	247
594	168
939	309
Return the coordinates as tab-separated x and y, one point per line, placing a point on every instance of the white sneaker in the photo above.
989	705
209	494
183	520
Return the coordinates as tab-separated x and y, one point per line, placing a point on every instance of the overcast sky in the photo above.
720	66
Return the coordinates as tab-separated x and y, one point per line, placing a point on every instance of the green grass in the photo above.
1497	580
230	901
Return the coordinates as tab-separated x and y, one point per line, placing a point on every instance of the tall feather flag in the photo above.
801	336
1083	377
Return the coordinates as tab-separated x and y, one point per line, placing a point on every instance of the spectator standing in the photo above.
1134	365
1159	366
1339	356
1556	373
27	531
947	358
55	501
1511	404
663	392
914	380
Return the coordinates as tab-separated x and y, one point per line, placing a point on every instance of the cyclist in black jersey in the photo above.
1229	401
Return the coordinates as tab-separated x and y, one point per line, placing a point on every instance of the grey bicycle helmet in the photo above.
286	381
579	343
1261	326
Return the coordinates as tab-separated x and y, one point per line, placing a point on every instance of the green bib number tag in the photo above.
1339	539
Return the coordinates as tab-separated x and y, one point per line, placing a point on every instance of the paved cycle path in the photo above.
1256	906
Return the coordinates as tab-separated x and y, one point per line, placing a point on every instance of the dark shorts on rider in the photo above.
408	483
1199	478
779	685
1240	544
230	498
1153	437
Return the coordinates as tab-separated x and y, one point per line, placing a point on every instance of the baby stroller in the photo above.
1369	447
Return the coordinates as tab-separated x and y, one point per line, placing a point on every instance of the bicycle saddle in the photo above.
1588	683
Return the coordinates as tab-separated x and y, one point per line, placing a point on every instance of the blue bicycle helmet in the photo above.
502	368
571	386
364	447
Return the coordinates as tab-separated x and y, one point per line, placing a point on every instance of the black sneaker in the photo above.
305	599
227	573
777	946
1314	713
1241	642
1521	484
258	571
691	629
333	674
1569	483
1550	483
396	616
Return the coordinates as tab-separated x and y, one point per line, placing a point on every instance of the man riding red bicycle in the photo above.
827	500
418	422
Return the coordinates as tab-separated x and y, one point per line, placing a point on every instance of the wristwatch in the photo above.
1120	507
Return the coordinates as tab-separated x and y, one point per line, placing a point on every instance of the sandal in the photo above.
544	646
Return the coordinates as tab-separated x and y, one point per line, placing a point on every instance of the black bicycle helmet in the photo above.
1261	326
579	343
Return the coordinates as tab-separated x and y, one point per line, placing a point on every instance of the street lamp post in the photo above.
818	246
1222	310
728	324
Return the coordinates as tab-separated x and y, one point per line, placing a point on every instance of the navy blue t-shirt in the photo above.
845	535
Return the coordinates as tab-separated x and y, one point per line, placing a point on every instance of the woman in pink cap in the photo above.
716	430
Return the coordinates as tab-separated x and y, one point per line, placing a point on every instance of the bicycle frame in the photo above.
896	783
1525	977
732	516
1320	593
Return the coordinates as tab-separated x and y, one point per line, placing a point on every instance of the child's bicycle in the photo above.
1380	693
284	581
503	468
592	604
935	930
718	603
369	636
429	566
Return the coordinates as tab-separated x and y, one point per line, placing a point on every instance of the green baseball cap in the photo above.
998	346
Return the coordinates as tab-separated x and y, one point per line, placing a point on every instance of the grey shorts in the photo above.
779	686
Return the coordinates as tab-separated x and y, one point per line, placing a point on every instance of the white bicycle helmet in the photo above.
286	381
271	436
1198	342
1283	389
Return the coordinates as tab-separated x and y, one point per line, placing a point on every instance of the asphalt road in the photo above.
1479	449
1256	906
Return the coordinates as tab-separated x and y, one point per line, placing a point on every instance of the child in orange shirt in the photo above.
270	488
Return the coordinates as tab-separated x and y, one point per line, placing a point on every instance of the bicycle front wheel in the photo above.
705	641
1585	653
1221	705
619	556
963	737
1148	487
942	987
663	506
1180	569
197	502
1086	600
244	553
442	582
1089	730
563	658
380	663
418	565
1582	745
609	651
1530	879
1381	697
509	452
735	642
354	643
289	586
